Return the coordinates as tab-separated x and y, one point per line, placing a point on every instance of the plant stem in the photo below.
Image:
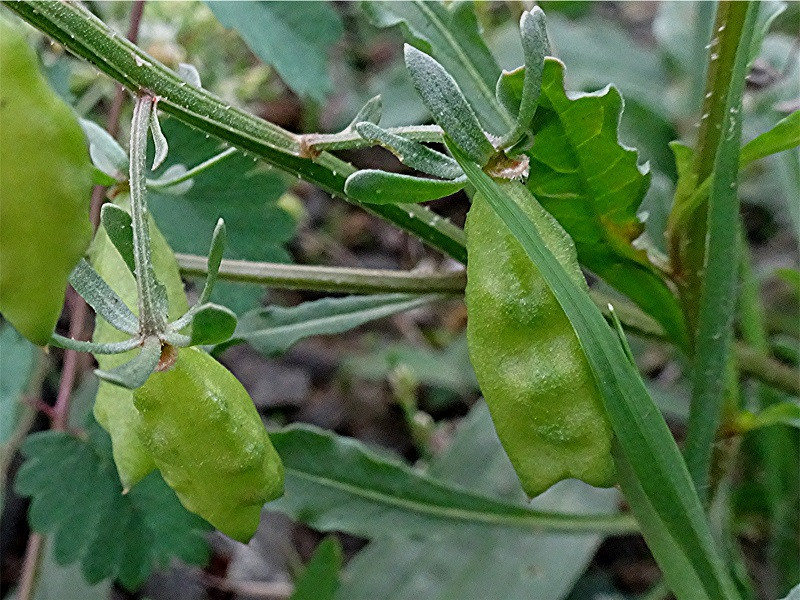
372	281
688	243
327	279
349	139
718	153
151	317
85	35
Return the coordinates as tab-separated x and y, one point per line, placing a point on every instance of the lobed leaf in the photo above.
593	186
76	497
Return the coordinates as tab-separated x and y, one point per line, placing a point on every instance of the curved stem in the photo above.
193	172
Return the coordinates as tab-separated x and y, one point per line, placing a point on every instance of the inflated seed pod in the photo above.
44	196
113	406
204	433
530	366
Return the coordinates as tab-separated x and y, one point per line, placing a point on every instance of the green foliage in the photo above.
76	497
381	187
593	186
273	330
294	38
245	196
16	367
320	579
44	217
332	482
480	563
527	356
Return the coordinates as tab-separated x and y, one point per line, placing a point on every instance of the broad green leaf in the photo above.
76	497
236	190
212	324
783	136
44	197
442	96
382	187
450	33
293	37
646	442
320	579
273	330
593	186
336	483
480	564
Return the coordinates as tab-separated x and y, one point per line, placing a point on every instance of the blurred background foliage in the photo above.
404	384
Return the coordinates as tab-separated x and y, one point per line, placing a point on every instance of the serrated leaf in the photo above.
451	34
106	154
212	324
443	97
293	37
382	187
77	498
273	330
480	564
119	227
320	579
336	483
236	190
593	186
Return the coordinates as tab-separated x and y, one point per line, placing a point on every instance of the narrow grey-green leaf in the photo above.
106	154
93	347
445	101
794	593
411	153
119	227
783	136
273	330
336	483
189	74
320	579
105	301
159	140
218	240
535	46
644	437
212	324
135	372
381	187
369	113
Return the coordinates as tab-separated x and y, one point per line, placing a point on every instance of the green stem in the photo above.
373	281
721	126
349	139
193	172
151	317
86	36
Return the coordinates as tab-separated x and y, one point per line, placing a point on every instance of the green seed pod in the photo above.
113	406
44	197
207	438
529	363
